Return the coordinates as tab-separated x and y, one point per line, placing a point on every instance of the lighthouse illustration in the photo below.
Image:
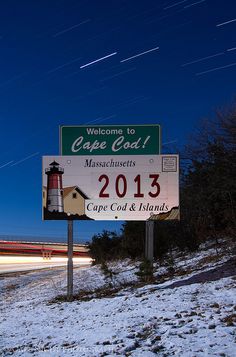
54	188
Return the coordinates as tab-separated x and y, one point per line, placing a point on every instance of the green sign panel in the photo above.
110	140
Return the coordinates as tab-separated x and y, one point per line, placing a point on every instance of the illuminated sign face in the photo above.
110	140
124	187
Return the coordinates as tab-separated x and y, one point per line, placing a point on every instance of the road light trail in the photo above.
225	23
203	59
98	60
11	263
216	69
71	28
140	54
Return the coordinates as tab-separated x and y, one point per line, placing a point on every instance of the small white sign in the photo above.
111	188
169	163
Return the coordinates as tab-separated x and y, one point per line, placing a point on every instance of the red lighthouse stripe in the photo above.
55	181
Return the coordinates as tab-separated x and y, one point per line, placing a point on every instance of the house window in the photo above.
74	195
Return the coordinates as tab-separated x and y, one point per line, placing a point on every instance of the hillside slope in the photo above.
190	310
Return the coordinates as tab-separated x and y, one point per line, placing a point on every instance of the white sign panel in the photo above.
111	188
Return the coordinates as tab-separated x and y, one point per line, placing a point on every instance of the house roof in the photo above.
67	190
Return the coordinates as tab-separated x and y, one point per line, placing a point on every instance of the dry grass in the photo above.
211	259
230	320
11	287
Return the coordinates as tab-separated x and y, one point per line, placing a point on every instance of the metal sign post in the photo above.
70	261
149	241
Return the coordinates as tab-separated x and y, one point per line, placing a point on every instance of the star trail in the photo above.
140	54
98	60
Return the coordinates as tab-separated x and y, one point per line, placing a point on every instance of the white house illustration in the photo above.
73	200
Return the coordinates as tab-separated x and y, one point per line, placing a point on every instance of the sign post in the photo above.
70	260
149	241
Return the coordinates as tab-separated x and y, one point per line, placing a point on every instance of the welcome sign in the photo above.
110	140
127	187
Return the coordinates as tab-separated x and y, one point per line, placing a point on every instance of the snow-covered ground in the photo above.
190	312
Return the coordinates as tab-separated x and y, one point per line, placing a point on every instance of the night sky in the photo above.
165	62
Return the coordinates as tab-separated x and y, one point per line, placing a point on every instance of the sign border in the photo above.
138	156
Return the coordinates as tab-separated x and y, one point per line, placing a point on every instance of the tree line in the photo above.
207	197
